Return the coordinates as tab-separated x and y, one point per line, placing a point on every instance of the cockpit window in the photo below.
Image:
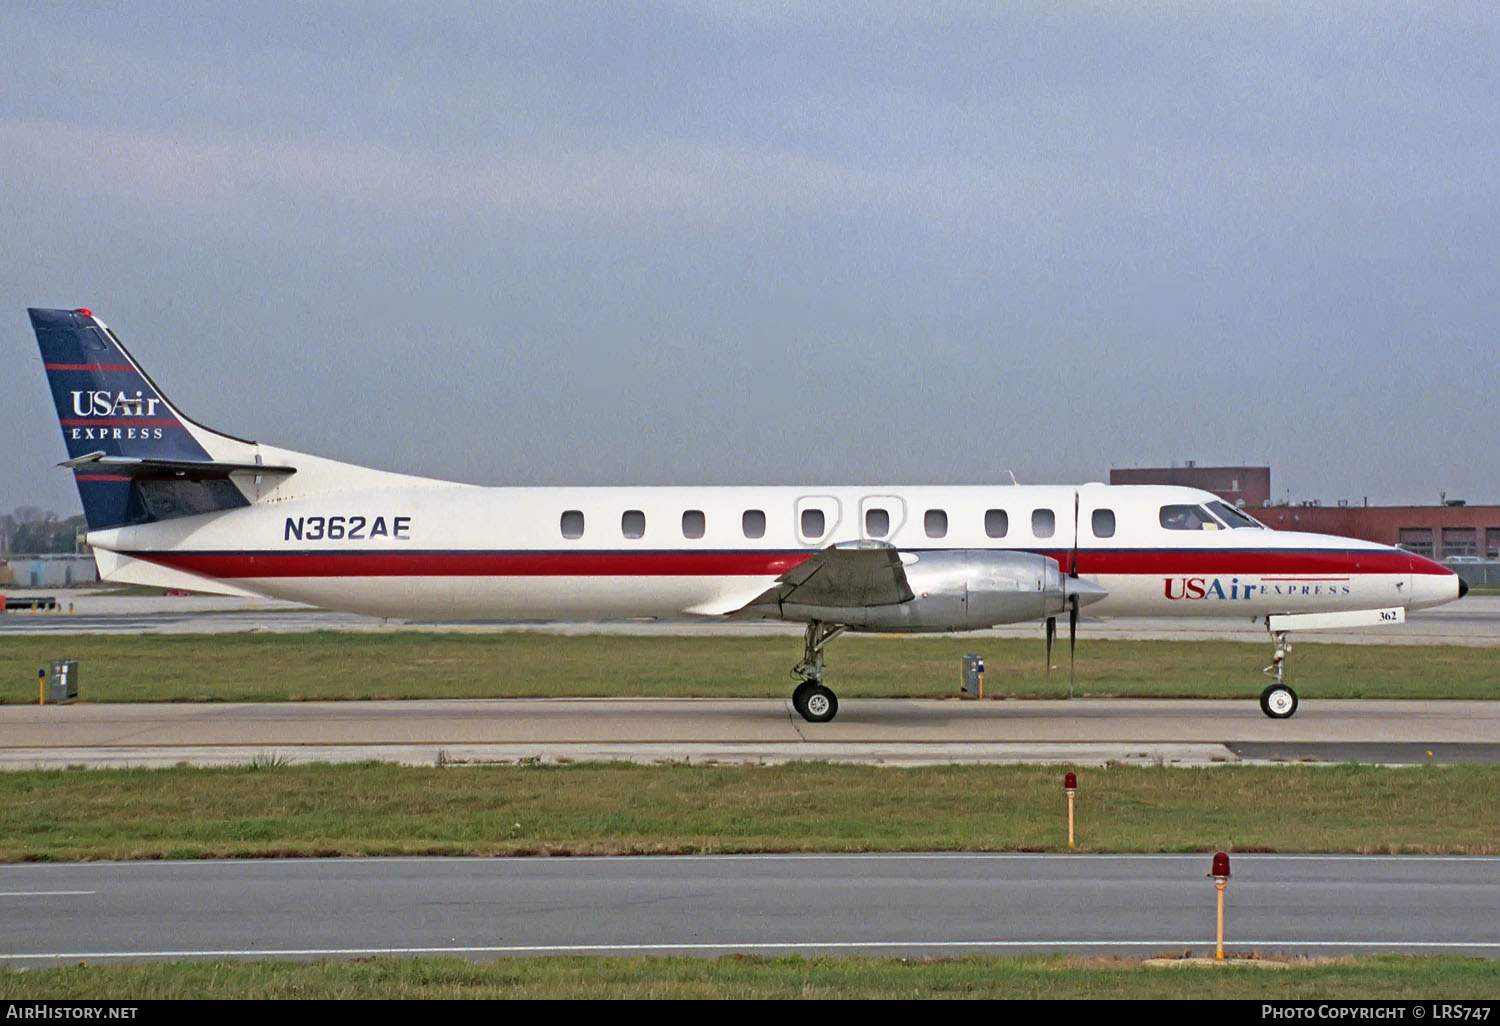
1187	518
1232	516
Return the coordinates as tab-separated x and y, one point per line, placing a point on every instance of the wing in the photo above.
851	574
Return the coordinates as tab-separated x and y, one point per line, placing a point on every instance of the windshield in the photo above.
1233	517
1187	518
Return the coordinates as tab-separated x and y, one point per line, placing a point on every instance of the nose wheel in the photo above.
1278	701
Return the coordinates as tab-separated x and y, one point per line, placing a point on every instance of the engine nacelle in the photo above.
959	590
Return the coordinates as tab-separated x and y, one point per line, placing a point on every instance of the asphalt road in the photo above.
888	904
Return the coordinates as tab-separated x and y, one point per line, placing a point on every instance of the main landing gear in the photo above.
1278	700
814	702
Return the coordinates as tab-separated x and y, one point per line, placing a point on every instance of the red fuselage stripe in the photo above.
354	563
1298	562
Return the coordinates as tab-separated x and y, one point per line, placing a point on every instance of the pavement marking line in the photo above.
552	949
40	894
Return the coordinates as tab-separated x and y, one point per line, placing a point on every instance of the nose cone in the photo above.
1432	584
1087	591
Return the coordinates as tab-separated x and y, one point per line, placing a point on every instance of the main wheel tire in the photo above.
817	704
1278	701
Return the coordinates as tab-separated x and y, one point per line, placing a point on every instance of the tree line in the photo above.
32	531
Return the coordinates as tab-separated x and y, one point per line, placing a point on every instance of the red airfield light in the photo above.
1220	873
1070	781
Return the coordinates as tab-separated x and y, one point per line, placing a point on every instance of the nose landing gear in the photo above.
1278	700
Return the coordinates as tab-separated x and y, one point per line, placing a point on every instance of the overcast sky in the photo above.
714	242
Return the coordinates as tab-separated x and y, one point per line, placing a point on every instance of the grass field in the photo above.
409	664
279	810
1059	977
604	809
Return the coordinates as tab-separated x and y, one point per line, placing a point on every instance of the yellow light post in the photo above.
1220	873
1070	788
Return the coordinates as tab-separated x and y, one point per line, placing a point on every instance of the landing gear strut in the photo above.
1278	700
814	702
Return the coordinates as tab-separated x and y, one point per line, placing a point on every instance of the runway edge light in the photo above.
1220	873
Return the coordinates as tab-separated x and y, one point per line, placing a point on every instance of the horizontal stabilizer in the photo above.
190	470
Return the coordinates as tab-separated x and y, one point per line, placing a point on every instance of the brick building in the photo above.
1439	532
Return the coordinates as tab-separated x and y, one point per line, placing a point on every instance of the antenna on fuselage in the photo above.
1012	474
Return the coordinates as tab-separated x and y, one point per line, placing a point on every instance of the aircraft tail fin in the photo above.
135	458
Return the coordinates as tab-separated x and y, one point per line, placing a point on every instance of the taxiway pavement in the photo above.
754	731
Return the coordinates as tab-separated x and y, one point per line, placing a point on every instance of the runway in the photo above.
754	731
887	904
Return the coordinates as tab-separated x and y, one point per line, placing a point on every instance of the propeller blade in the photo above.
1072	639
1051	633
1073	556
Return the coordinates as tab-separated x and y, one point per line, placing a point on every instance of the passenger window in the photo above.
754	523
1043	523
633	523
572	524
936	522
877	523
693	524
1187	518
996	523
812	523
1103	521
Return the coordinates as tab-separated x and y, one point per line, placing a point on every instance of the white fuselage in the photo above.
424	549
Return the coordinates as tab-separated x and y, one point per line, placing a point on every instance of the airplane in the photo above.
173	504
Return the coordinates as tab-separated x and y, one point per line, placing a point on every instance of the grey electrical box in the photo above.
973	676
62	688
